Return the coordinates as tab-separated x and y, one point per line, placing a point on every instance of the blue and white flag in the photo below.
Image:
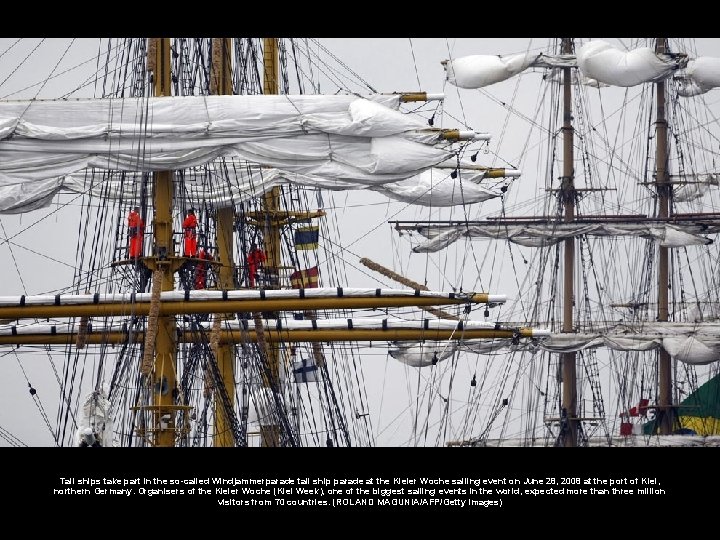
305	371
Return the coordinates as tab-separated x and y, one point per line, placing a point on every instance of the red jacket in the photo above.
190	222
135	224
256	257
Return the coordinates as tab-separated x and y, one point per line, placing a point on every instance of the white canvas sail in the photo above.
339	143
438	188
690	343
95	426
429	188
609	65
342	137
481	70
600	63
539	235
701	75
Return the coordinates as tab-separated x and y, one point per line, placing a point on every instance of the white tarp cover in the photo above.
481	70
344	138
609	65
701	75
540	235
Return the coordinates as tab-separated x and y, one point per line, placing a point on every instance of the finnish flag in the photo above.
305	371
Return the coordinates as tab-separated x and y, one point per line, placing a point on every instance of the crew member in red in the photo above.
190	229
136	230
256	258
201	269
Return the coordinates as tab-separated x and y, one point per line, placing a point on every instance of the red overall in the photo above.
190	243
136	229
255	259
201	270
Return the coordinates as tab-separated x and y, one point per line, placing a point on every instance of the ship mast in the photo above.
270	434
221	84
162	372
569	420
665	411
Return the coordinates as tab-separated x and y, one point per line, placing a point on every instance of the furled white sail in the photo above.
437	188
481	70
695	188
701	75
429	188
430	352
548	234
600	63
607	64
556	76
411	353
114	185
423	355
95	425
342	137
352	162
691	343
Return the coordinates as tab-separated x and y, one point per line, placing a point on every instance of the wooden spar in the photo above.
182	307
272	335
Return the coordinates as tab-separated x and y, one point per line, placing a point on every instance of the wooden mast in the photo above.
163	375
666	415
221	84
567	190
270	434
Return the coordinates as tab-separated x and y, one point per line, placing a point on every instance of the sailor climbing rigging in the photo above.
190	234
136	230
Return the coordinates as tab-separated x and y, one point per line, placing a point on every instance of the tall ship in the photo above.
243	242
